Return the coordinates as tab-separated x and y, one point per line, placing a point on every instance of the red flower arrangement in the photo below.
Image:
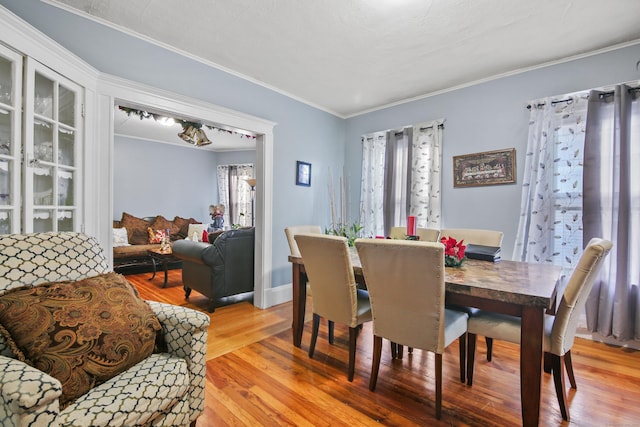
453	251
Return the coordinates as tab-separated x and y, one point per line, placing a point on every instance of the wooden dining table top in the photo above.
514	282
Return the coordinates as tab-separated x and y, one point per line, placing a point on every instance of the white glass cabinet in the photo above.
40	170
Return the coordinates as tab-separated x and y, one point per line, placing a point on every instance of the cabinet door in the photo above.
10	140
53	151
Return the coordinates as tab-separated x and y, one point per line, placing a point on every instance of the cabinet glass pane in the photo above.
5	222
6	78
66	139
42	221
43	186
5	132
43	141
5	182
65	221
43	102
67	106
65	188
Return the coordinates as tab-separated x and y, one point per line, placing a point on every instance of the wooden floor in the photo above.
255	376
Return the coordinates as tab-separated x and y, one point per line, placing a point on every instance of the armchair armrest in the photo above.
29	396
185	333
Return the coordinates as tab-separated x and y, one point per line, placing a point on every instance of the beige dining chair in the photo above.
333	286
476	236
425	234
290	232
399	233
428	234
559	329
405	280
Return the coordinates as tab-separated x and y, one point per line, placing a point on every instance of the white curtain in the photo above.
400	177
235	194
612	209
372	185
426	189
550	225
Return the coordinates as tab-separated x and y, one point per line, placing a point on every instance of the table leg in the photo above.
531	364
165	264
153	261
299	303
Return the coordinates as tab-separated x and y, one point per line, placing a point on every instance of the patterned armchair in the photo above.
164	389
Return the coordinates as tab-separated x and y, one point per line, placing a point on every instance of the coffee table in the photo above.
163	257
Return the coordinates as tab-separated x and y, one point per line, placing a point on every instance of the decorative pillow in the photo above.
80	332
136	229
120	237
161	223
183	225
156	236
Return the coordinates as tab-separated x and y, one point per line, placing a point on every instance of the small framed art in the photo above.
486	168
303	173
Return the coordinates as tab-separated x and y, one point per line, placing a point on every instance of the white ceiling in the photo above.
348	57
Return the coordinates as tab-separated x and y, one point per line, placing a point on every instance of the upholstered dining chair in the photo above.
428	234
405	280
333	288
559	329
399	233
290	232
476	236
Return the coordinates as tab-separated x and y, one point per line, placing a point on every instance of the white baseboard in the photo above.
278	295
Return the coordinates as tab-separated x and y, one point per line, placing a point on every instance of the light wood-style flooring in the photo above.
255	377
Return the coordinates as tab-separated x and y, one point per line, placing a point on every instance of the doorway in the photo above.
120	92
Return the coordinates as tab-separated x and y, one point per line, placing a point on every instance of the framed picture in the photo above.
303	173
486	168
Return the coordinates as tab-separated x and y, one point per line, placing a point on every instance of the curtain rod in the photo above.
586	96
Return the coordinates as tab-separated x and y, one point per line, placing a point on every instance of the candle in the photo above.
411	225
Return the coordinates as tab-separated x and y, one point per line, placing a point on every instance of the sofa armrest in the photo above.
185	332
189	250
29	396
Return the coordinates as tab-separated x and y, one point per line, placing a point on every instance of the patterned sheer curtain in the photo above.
235	194
426	188
550	225
612	209
400	177
372	185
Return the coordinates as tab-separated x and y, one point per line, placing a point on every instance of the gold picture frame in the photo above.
485	168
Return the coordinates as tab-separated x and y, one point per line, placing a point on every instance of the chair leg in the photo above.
314	334
438	385
471	356
557	368
353	339
375	365
400	351
394	349
568	365
489	342
462	341
330	325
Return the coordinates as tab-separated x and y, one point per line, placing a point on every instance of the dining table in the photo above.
522	289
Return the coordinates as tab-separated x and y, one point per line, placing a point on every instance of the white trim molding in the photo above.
114	90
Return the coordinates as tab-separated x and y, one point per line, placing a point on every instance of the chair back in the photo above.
292	230
333	285
428	234
399	233
474	236
405	280
30	259
575	295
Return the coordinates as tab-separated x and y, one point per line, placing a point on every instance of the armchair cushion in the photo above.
79	332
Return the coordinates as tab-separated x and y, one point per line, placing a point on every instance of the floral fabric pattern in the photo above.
79	332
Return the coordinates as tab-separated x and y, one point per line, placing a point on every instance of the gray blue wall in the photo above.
490	116
486	116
